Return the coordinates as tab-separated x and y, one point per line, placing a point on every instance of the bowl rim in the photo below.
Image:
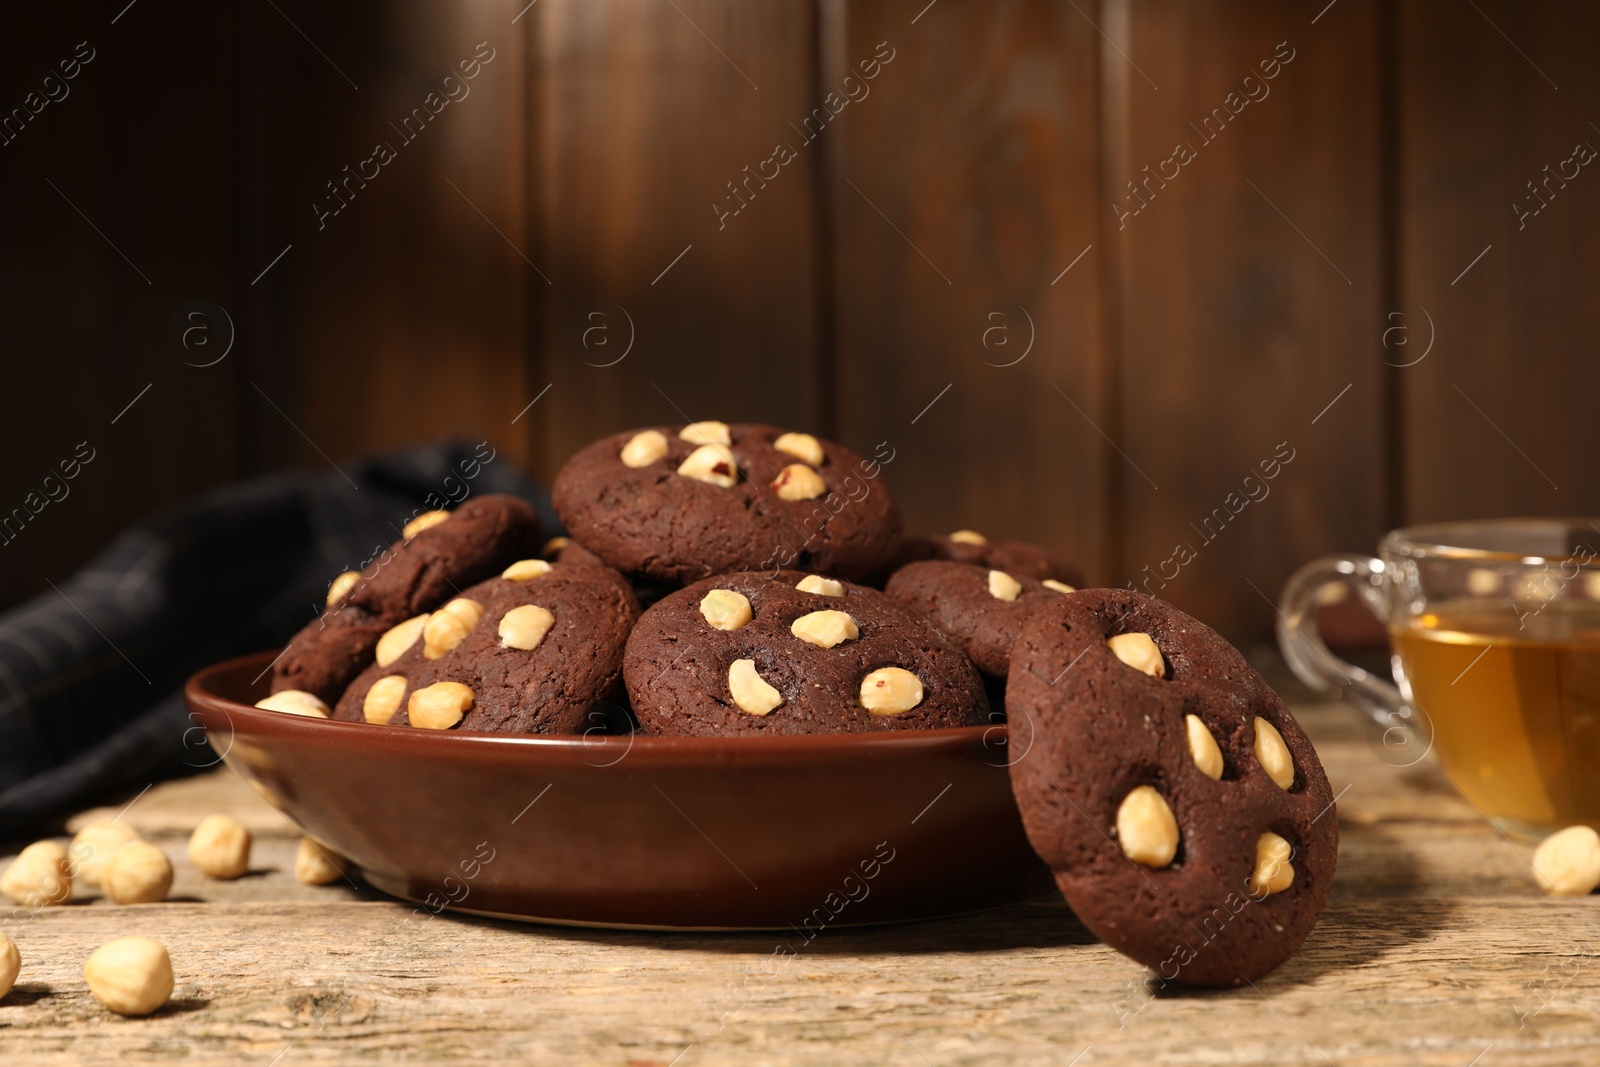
200	694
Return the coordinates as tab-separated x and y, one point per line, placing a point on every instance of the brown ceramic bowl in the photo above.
652	832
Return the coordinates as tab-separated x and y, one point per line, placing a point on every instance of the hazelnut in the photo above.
525	627
969	537
1274	873
316	864
220	847
422	522
40	876
1203	747
392	645
449	626
825	628
383	699
1567	863
342	585
295	702
1138	651
554	545
92	847
749	690
644	448
137	873
816	583
707	433
890	691
1273	754
725	609
801	446
1481	581
798	482
1060	587
10	964
524	569
712	464
1002	586
1146	829
130	976
439	706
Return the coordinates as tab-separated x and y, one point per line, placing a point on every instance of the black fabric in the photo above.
91	671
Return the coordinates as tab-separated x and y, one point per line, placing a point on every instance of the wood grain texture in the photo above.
643	114
963	340
1250	283
1435	946
1491	97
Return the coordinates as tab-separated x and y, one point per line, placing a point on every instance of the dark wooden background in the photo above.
906	257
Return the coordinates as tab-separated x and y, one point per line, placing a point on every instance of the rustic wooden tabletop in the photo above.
1436	948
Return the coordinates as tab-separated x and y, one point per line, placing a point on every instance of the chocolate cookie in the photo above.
531	652
675	504
1016	558
1185	814
440	553
792	653
981	609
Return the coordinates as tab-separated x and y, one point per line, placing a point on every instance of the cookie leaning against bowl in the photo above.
439	552
532	651
1017	558
792	653
981	609
676	504
1184	812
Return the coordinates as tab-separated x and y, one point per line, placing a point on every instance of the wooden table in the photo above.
1435	949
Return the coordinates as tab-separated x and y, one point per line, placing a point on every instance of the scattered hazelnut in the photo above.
712	464
92	847
449	626
1203	747
1060	587
969	537
1273	754
1567	863
1138	651
220	847
1591	585
525	627
137	873
707	433
342	585
1274	873
798	482
644	448
439	706
295	702
422	522
801	446
1002	586
316	864
399	638
749	690
1481	581
725	609
825	628
383	699
524	569
130	976
10	964
890	691
816	583
554	545
1146	829
41	875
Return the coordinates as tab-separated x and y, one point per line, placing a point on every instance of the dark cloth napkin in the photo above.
91	672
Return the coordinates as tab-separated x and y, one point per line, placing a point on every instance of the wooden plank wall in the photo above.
894	222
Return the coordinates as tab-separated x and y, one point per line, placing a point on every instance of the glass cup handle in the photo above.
1402	732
